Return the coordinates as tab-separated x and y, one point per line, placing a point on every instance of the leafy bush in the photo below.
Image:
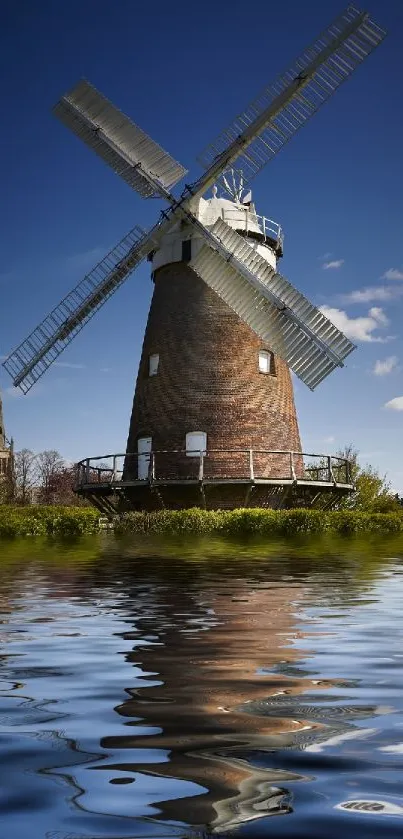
293	522
385	522
193	520
71	521
346	522
47	521
373	493
259	521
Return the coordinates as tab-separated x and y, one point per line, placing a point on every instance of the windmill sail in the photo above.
33	357
257	135
129	151
294	329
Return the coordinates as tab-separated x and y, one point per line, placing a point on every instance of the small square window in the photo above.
153	363
266	362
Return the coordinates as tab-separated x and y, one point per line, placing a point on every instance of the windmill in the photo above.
213	405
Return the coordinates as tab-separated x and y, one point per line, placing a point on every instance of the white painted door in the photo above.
143	461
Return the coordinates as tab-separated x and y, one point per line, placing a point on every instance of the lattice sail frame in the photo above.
314	77
34	355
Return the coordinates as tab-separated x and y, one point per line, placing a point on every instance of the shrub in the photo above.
293	522
73	521
193	520
48	521
259	521
247	521
346	522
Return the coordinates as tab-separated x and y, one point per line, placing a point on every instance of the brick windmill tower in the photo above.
206	381
213	419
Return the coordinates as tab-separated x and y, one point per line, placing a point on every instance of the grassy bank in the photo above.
71	521
259	521
48	521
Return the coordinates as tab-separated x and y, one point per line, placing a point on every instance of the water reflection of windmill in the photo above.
213	415
218	699
200	665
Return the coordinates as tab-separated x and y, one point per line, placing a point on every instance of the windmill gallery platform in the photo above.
213	421
214	480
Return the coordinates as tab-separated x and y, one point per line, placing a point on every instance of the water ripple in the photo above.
180	699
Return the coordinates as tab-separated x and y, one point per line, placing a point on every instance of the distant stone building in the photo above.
6	450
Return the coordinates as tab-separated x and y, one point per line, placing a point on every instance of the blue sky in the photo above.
182	71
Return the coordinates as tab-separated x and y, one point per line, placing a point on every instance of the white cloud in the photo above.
68	365
358	329
393	274
395	404
379	315
16	393
336	263
13	392
371	294
382	368
330	439
86	259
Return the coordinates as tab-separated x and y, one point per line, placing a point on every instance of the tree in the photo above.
24	475
44	478
373	492
64	483
50	466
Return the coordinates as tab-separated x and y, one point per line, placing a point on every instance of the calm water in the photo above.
176	692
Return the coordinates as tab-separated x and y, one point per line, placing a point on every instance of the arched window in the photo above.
266	362
196	443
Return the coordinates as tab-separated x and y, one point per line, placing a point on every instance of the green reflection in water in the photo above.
365	555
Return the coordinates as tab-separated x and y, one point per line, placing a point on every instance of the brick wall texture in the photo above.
208	380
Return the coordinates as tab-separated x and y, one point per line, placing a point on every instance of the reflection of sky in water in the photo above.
219	699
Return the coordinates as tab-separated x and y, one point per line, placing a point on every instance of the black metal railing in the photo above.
213	465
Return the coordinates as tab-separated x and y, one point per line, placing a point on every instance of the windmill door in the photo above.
143	459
